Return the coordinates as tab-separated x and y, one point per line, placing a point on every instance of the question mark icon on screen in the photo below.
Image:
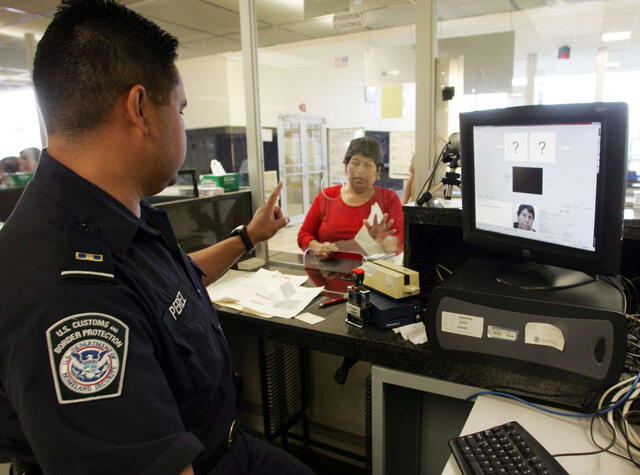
515	146
542	146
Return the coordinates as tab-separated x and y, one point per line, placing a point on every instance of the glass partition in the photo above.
20	138
348	70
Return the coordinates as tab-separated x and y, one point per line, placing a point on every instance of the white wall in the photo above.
290	75
206	86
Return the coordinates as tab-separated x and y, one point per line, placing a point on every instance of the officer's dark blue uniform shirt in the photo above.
112	359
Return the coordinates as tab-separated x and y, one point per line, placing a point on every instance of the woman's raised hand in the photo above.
382	232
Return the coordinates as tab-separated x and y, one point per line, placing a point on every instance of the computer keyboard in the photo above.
504	449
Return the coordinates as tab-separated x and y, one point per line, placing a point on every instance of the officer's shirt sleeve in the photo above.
83	376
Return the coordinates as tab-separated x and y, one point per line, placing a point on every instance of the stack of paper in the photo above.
264	293
416	333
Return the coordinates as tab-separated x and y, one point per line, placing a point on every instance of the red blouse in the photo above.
331	219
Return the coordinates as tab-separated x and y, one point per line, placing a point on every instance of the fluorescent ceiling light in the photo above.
519	81
613	64
9	78
15	10
616	36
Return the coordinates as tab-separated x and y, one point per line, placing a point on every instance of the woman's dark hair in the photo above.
93	51
529	208
367	147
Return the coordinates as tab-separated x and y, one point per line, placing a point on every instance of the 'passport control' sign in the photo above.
88	355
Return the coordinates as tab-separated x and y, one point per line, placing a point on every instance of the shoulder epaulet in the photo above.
86	255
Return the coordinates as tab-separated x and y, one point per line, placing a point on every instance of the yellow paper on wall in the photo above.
391	102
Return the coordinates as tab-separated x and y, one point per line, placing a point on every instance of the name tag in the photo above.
177	306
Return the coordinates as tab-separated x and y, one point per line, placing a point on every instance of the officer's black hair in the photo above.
365	146
93	51
529	208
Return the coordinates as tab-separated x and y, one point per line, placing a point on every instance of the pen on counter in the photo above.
329	303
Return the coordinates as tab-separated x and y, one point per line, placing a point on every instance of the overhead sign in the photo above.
348	21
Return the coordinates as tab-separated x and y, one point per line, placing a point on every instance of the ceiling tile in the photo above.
35	25
274	36
233	5
314	27
278	12
39	6
390	17
370	4
451	9
9	17
191	14
183	34
274	12
207	46
30	6
528	4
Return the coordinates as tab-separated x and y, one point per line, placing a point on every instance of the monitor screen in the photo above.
546	183
200	222
538	195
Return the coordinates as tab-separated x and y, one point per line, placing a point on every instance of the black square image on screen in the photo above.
527	180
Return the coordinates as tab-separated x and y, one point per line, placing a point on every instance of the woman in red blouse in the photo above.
340	211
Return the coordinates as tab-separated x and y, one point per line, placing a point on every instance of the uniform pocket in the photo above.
189	324
181	319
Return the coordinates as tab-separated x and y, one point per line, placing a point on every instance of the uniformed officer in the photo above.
112	359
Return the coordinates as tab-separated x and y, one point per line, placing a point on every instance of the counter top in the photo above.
385	348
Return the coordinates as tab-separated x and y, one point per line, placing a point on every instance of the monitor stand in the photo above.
528	275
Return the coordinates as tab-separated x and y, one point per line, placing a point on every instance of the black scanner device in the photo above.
387	312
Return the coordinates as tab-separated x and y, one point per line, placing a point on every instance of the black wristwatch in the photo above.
242	232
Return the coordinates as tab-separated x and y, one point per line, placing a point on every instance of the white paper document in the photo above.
364	239
264	293
310	318
416	333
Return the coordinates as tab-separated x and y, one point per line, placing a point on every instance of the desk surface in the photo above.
385	348
557	435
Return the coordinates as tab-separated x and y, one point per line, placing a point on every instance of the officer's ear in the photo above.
137	104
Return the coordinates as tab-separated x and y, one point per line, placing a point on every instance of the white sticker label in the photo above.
544	334
388	281
353	309
500	333
462	324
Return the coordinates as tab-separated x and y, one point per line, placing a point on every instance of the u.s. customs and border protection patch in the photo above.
88	356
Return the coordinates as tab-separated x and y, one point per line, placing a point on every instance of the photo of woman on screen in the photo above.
526	215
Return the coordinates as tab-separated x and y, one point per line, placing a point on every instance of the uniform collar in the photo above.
85	202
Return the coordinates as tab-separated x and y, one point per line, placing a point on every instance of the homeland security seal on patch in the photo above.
88	355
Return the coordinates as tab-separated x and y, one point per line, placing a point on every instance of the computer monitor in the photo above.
545	184
200	222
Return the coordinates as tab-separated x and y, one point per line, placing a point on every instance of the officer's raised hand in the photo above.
268	219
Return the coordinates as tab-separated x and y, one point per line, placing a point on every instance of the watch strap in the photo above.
244	235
